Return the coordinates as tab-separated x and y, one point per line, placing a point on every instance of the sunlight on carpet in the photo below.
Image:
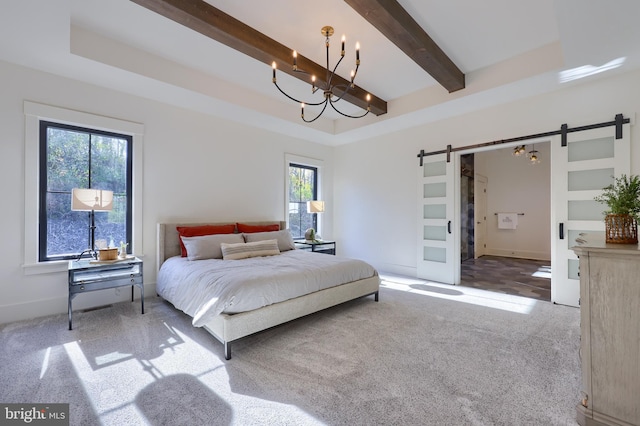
456	293
174	377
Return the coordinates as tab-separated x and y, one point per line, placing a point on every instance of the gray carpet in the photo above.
426	354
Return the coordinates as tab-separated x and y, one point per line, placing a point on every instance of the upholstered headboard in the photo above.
168	241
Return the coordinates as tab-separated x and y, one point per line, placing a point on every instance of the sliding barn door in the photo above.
579	172
438	225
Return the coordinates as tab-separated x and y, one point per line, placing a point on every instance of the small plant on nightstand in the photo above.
123	249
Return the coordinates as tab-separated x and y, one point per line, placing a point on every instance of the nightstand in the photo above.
318	246
87	275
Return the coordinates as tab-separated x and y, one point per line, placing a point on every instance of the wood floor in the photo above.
521	277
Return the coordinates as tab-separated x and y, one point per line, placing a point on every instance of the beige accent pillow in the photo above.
284	238
208	246
246	250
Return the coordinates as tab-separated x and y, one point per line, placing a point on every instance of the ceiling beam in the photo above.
390	18
200	16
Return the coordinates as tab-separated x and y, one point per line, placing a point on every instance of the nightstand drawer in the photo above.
111	273
81	286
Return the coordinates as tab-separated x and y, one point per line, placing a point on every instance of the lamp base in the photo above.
93	254
310	234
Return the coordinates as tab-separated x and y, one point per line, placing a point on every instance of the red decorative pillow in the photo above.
248	229
197	231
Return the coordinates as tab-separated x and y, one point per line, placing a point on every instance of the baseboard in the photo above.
54	306
408	271
588	417
520	254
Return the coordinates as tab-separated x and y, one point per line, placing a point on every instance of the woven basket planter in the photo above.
621	229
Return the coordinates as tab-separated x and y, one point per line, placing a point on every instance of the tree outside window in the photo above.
76	157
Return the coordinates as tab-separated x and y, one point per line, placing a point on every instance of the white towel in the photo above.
507	220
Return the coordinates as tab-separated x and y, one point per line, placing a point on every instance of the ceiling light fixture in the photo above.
519	150
332	93
533	155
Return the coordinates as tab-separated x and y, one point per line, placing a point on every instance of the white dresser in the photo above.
610	332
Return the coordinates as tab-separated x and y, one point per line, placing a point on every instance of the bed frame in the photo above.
228	328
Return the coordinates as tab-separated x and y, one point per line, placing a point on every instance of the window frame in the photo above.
34	112
306	162
43	184
314	217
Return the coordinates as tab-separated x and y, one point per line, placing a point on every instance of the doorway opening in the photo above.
513	261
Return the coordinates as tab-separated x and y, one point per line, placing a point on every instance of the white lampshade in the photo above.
91	199
315	206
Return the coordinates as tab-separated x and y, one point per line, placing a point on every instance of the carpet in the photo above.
426	354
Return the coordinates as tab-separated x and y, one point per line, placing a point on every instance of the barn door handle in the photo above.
449	226
561	231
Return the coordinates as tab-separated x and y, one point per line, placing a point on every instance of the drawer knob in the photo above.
81	287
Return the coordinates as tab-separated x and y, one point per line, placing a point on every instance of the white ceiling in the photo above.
508	49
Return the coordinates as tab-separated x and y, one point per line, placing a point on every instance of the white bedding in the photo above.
206	288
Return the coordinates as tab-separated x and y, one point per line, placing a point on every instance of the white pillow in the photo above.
208	246
245	250
285	240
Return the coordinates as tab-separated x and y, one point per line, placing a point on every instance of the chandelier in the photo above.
333	93
533	155
521	150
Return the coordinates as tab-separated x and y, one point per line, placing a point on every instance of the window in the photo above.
303	187
34	114
78	157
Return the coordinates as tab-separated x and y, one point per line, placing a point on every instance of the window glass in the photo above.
303	187
75	157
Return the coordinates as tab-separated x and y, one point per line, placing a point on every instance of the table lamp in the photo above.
314	206
91	200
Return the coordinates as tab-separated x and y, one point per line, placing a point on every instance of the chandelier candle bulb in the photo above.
295	60
343	40
358	53
273	65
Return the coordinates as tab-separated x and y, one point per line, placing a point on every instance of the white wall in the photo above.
514	185
196	167
376	187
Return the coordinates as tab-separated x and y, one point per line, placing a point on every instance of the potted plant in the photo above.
623	199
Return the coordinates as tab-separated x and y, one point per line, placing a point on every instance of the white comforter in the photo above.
206	288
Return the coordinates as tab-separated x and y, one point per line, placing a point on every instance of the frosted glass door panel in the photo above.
589	180
438	168
574	269
435	190
435	254
574	234
437	233
585	210
592	149
435	211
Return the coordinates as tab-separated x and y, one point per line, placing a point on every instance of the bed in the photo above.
228	322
